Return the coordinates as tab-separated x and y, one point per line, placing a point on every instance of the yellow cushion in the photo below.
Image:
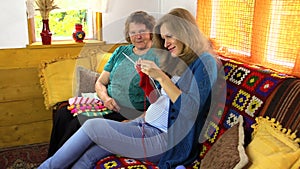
57	76
102	59
272	147
296	165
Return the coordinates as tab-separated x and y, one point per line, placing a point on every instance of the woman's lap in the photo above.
123	138
65	125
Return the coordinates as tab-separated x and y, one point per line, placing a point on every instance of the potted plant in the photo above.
45	6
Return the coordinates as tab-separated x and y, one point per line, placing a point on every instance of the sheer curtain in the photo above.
261	32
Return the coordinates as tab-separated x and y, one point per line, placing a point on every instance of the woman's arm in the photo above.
101	90
170	88
100	85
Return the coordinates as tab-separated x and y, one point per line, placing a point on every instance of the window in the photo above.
262	32
62	21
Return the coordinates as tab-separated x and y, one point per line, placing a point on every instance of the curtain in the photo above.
261	32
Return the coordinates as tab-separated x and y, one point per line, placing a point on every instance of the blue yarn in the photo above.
180	167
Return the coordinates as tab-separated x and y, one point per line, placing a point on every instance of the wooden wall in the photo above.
23	116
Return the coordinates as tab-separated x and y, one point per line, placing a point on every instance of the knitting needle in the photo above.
152	80
128	58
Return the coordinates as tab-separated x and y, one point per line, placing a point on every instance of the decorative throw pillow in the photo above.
56	78
85	81
228	151
102	59
272	146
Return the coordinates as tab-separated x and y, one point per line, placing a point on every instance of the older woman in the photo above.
168	133
118	85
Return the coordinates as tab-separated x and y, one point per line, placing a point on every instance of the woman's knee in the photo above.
95	122
90	157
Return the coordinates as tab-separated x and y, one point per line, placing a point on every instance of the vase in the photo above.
78	34
46	33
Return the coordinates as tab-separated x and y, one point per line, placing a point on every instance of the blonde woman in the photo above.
168	133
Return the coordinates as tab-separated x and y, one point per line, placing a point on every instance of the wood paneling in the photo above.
25	134
23	112
19	84
23	117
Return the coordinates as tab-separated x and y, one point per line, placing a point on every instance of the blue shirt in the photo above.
187	114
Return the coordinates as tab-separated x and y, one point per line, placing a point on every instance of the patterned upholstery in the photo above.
284	105
249	90
117	162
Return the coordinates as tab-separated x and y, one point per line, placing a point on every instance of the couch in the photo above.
256	128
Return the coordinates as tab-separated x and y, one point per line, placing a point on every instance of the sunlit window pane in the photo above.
62	24
231	25
284	41
266	32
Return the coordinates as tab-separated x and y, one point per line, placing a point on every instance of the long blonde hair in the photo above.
182	25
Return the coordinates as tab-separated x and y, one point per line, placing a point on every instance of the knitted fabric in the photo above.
147	85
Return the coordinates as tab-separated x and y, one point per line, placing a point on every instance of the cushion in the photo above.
56	78
84	81
102	59
272	146
228	151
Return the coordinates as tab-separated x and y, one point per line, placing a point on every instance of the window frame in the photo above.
97	20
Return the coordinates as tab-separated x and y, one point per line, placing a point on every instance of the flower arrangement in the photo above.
45	6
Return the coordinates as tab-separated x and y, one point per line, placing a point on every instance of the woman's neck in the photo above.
140	51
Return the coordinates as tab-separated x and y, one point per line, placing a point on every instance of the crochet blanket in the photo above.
249	88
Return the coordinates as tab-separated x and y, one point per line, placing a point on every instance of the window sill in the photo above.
61	44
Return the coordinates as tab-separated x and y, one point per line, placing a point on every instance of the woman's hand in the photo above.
151	69
111	104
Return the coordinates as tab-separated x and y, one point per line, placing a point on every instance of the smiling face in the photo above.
170	42
139	36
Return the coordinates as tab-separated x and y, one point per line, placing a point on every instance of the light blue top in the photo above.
157	112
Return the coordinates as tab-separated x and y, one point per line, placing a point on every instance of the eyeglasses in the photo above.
140	32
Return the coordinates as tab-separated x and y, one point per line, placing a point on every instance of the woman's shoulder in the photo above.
124	48
205	59
118	52
151	55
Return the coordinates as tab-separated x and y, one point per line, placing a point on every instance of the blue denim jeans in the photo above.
98	138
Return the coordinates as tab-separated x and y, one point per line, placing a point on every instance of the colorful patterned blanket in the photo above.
87	106
248	89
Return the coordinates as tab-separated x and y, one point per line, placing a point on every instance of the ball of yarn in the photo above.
180	167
